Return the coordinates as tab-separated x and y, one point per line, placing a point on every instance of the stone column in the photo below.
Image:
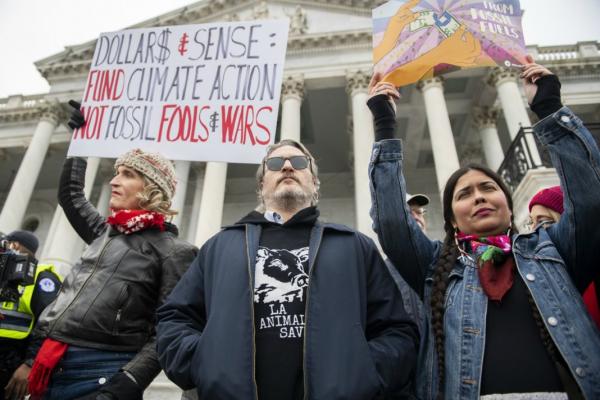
104	199
210	215
182	172
440	130
505	82
193	226
292	94
63	245
484	119
362	140
513	107
21	190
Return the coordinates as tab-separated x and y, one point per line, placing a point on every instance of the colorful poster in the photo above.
419	39
191	92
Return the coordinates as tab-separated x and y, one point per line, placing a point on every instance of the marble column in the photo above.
513	106
440	130
210	215
104	198
292	94
196	202
63	245
182	172
22	187
484	119
362	141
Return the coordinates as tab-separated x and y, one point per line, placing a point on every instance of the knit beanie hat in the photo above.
551	197
153	166
25	238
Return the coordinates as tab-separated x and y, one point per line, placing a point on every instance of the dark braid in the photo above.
441	273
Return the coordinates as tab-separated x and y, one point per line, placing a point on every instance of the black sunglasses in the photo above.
276	163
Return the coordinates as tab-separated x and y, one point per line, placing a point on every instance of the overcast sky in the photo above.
31	30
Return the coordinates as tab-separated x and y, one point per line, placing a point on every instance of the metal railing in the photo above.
520	156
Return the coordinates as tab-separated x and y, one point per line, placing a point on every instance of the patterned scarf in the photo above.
130	221
495	261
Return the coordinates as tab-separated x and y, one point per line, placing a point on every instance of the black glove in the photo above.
384	117
76	120
120	387
547	99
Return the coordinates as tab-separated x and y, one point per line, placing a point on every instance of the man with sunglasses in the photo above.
283	306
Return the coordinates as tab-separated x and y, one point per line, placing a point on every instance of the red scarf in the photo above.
47	357
496	263
130	221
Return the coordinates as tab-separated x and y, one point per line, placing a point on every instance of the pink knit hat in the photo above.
551	197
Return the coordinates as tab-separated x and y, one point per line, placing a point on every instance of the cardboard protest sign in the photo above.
419	39
191	92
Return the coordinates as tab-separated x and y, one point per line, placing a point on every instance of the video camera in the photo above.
16	270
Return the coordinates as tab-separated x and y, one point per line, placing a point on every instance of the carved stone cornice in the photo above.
499	75
298	21
321	42
357	82
292	86
20	115
584	69
324	42
436	81
485	117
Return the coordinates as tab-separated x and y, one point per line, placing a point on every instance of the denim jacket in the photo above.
556	264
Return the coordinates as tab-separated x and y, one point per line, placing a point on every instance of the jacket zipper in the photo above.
310	273
117	320
251	283
82	286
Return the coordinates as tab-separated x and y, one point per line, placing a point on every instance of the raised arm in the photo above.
83	216
576	158
409	249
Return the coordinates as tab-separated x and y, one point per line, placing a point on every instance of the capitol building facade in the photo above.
473	115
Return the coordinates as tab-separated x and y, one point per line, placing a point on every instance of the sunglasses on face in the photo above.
276	163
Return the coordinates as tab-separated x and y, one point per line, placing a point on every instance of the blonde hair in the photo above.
152	198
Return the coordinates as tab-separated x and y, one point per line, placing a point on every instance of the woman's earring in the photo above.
463	255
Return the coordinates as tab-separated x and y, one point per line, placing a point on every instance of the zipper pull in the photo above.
118	315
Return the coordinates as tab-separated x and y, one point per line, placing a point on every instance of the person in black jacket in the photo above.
99	333
283	306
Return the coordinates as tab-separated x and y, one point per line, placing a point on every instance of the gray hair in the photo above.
312	165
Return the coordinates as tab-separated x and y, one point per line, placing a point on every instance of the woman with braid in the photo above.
504	311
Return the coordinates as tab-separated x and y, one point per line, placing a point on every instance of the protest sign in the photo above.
191	92
419	39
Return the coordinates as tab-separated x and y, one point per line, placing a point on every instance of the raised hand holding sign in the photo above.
414	40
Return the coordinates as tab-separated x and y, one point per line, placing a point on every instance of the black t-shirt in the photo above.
280	286
516	360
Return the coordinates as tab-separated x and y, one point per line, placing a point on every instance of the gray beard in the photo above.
288	200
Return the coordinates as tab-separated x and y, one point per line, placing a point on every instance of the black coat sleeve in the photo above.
83	216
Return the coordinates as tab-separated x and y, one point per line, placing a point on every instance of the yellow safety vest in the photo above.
17	321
